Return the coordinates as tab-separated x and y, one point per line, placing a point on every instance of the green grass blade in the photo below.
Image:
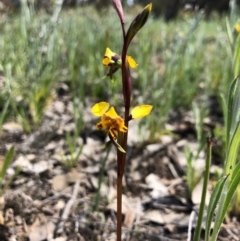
232	152
232	130
229	33
198	120
7	162
230	187
233	109
204	191
3	115
233	140
224	108
8	182
236	57
213	204
233	186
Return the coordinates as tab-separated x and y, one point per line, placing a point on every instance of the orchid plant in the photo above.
115	125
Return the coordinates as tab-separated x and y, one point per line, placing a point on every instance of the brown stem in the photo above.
119	207
121	159
122	140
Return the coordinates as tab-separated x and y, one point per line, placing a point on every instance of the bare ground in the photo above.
47	200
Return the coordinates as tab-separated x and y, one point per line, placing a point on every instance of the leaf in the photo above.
198	228
236	57
213	204
229	32
4	114
100	108
233	119
141	111
232	151
233	141
233	109
7	162
230	188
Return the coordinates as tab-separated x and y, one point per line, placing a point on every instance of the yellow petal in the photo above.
100	108
109	53
106	61
141	111
112	113
237	27
132	63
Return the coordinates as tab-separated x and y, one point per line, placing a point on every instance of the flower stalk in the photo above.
116	126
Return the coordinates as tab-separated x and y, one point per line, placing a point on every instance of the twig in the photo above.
172	207
232	234
55	196
67	209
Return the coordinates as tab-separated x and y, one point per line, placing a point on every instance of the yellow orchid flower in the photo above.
110	58
114	61
110	120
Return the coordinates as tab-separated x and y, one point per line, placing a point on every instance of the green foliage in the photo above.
6	163
74	152
204	191
226	186
72	144
40	50
193	176
30	60
235	203
4	114
213	204
232	125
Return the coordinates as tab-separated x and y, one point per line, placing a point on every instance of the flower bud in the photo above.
138	23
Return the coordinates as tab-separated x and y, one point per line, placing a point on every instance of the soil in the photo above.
49	196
